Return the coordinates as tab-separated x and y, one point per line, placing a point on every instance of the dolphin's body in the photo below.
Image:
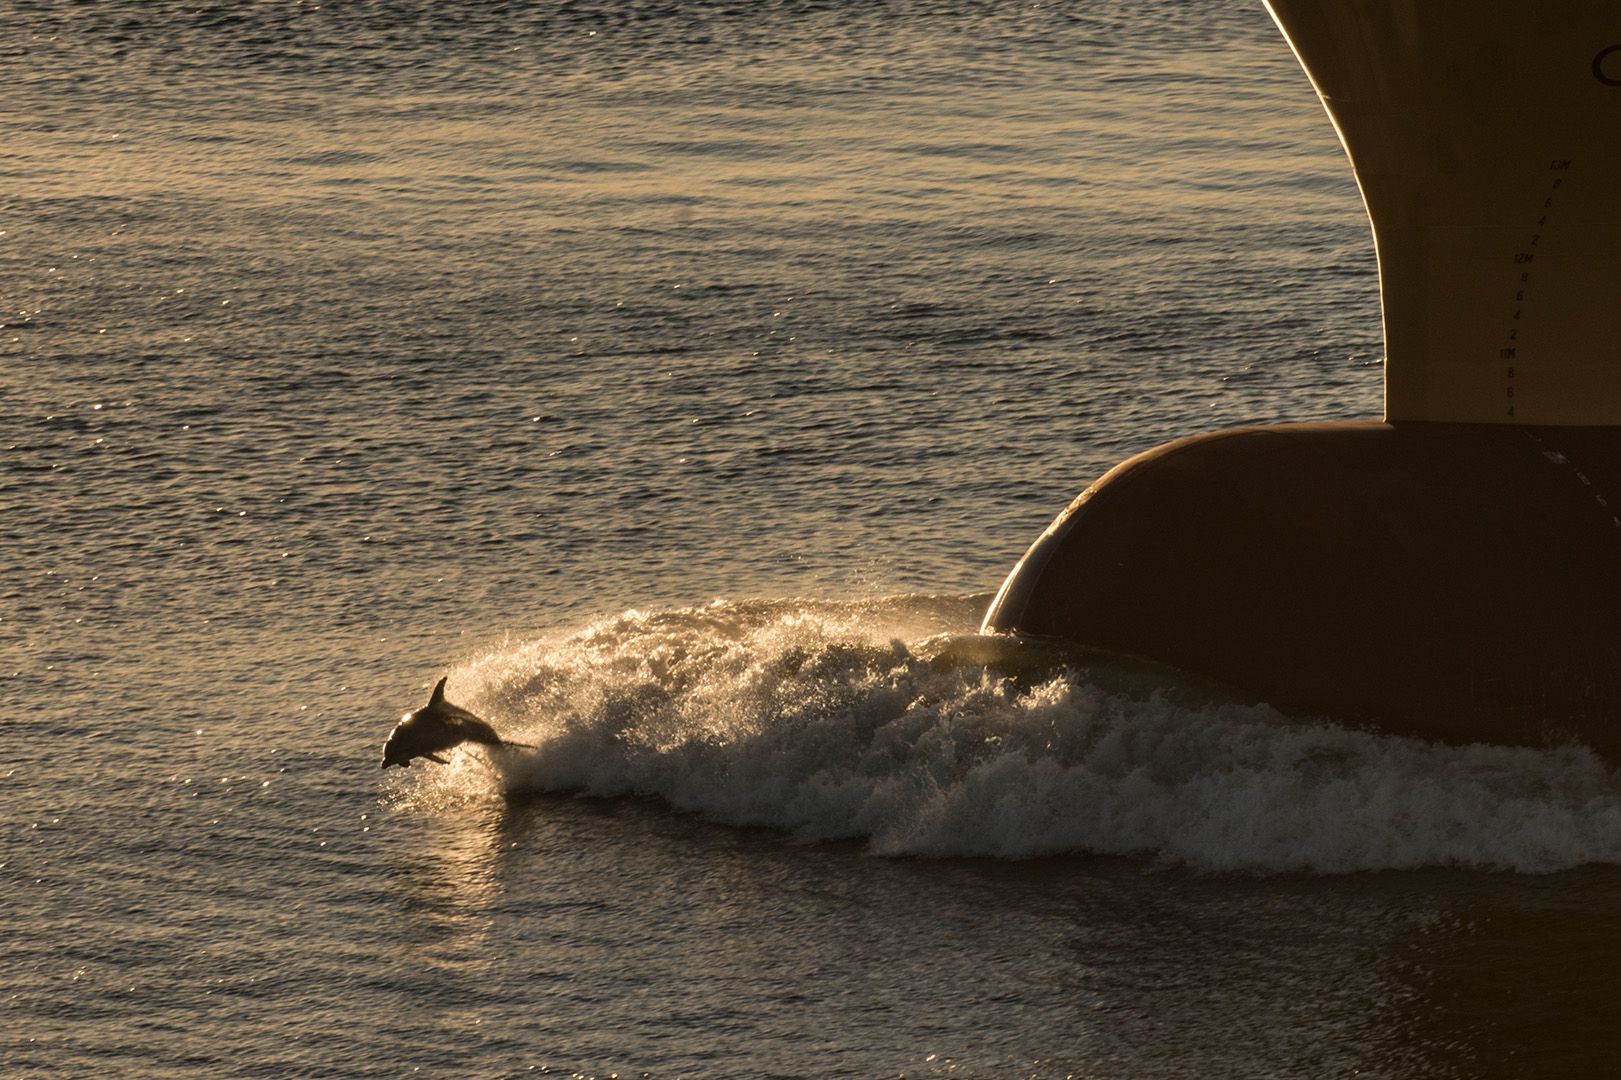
436	727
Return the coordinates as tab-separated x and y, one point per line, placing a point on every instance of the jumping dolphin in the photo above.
434	728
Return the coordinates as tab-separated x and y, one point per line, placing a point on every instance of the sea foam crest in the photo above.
834	720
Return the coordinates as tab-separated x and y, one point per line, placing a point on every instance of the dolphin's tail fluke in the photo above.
486	736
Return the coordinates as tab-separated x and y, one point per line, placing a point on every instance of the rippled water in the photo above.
681	380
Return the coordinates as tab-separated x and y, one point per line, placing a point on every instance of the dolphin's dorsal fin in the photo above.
438	693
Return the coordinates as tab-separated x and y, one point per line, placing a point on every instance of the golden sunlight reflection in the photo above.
449	879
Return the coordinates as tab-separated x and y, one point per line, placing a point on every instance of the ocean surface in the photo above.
681	380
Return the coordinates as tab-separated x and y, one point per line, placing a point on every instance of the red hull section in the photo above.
1455	582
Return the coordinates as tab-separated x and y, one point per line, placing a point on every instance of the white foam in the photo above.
830	721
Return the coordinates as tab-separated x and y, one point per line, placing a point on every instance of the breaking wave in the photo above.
882	721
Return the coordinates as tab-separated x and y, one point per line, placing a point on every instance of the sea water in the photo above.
681	380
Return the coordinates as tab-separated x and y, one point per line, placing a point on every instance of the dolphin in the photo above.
436	727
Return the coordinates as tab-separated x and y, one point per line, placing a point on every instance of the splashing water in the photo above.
865	721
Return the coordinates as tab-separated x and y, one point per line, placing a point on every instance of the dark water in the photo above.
682	380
